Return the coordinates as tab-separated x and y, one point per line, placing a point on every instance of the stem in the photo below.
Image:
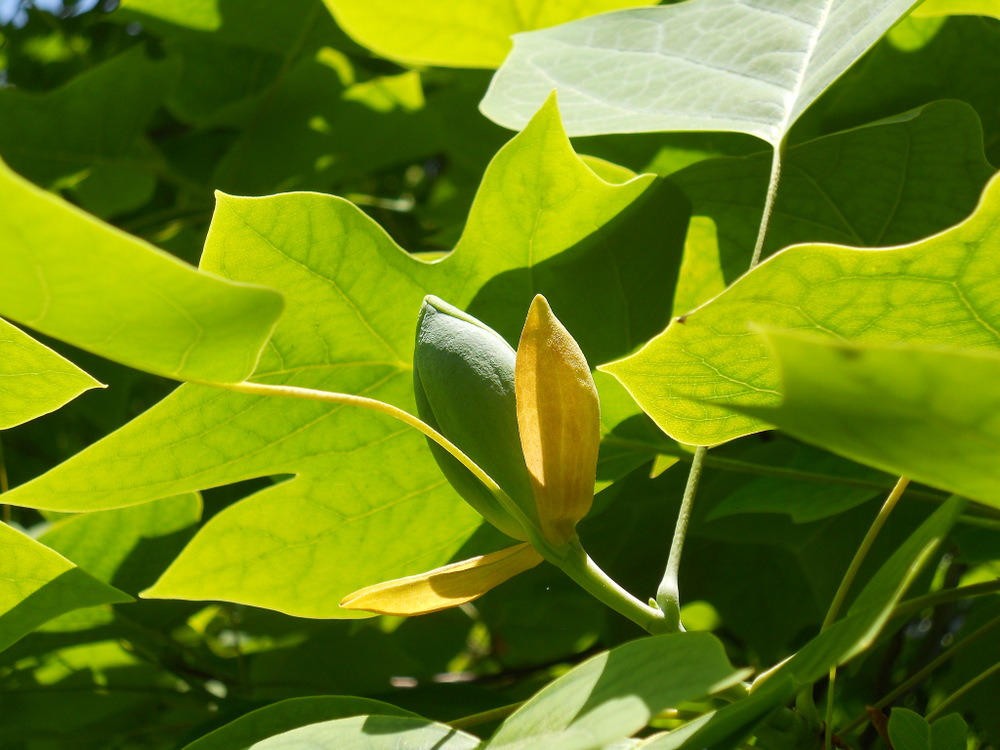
828	724
923	674
911	606
859	556
962	691
486	716
570	558
668	594
772	193
578	565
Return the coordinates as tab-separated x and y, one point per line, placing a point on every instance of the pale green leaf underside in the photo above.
77	279
367	503
614	694
930	414
38	584
941	291
456	33
658	69
34	380
286	715
372	733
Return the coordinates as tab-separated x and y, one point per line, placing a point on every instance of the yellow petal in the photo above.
559	419
445	587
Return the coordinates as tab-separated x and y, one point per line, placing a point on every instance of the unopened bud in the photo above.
559	420
463	376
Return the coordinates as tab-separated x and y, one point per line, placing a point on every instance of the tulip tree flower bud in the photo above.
463	376
530	420
559	420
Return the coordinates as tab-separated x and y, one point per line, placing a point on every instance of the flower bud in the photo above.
463	377
559	421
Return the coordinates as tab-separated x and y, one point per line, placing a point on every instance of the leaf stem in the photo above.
828	723
859	556
918	677
910	607
939	709
772	193
574	561
668	593
348	399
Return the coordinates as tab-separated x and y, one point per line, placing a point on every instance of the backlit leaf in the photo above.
941	291
929	414
456	33
367	503
39	584
35	379
77	279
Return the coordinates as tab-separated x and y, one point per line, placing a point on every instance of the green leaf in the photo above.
958	62
924	413
700	376
36	380
39	584
910	731
367	503
126	547
286	715
616	693
109	162
194	14
372	733
893	181
846	639
932	8
455	33
756	69
84	282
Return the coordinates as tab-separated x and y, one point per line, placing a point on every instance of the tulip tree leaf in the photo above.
126	547
932	8
456	33
377	732
700	376
929	414
368	503
77	279
284	716
115	170
657	69
616	693
35	379
39	584
894	181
